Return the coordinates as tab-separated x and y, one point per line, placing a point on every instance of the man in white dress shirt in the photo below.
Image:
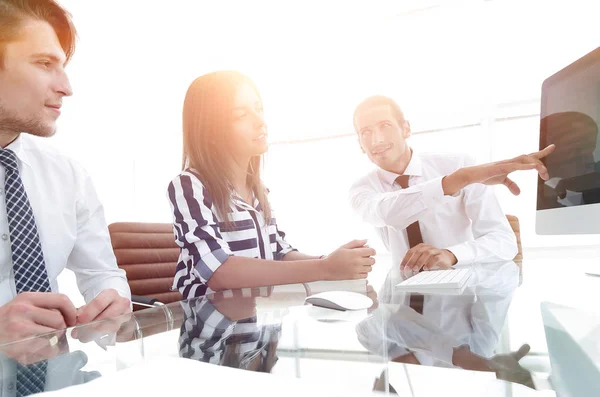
50	216
454	216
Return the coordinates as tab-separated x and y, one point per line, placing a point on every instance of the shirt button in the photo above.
5	237
11	386
1	192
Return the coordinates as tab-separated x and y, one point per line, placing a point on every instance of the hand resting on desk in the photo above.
34	313
426	257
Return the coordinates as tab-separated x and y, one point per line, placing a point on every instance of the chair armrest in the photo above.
145	301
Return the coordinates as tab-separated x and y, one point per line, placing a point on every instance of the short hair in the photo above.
377	100
14	12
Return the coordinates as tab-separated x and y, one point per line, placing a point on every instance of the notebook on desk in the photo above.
452	281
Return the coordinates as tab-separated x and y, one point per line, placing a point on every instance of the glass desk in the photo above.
459	341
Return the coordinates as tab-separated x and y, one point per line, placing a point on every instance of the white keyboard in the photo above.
444	281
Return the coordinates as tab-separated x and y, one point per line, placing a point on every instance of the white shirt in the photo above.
475	317
470	223
69	219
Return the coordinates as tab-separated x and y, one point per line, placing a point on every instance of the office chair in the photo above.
148	254
514	224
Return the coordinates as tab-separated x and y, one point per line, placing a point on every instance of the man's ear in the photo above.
406	129
360	144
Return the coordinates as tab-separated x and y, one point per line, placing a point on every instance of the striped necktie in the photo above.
31	379
27	256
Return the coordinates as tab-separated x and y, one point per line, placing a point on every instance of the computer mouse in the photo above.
340	300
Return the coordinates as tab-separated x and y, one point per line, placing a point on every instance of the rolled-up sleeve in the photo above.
202	248
398	208
92	258
494	239
283	247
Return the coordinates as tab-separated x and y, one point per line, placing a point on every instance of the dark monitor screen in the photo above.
570	117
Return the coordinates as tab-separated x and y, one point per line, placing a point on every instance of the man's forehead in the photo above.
373	114
36	37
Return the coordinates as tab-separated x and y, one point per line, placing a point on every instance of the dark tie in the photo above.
31	379
27	256
414	238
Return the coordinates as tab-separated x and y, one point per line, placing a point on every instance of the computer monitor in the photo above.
572	338
569	202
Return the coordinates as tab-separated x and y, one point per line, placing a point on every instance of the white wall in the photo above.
455	65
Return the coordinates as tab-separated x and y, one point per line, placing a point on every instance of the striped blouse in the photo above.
206	240
209	336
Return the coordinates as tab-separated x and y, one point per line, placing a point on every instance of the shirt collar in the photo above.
17	146
255	205
414	168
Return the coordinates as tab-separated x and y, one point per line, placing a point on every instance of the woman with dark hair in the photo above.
222	218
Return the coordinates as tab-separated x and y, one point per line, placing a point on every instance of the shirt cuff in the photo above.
443	353
209	315
440	349
279	255
210	262
433	192
397	351
116	283
464	253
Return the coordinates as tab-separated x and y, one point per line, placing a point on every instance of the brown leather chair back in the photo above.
514	224
148	254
